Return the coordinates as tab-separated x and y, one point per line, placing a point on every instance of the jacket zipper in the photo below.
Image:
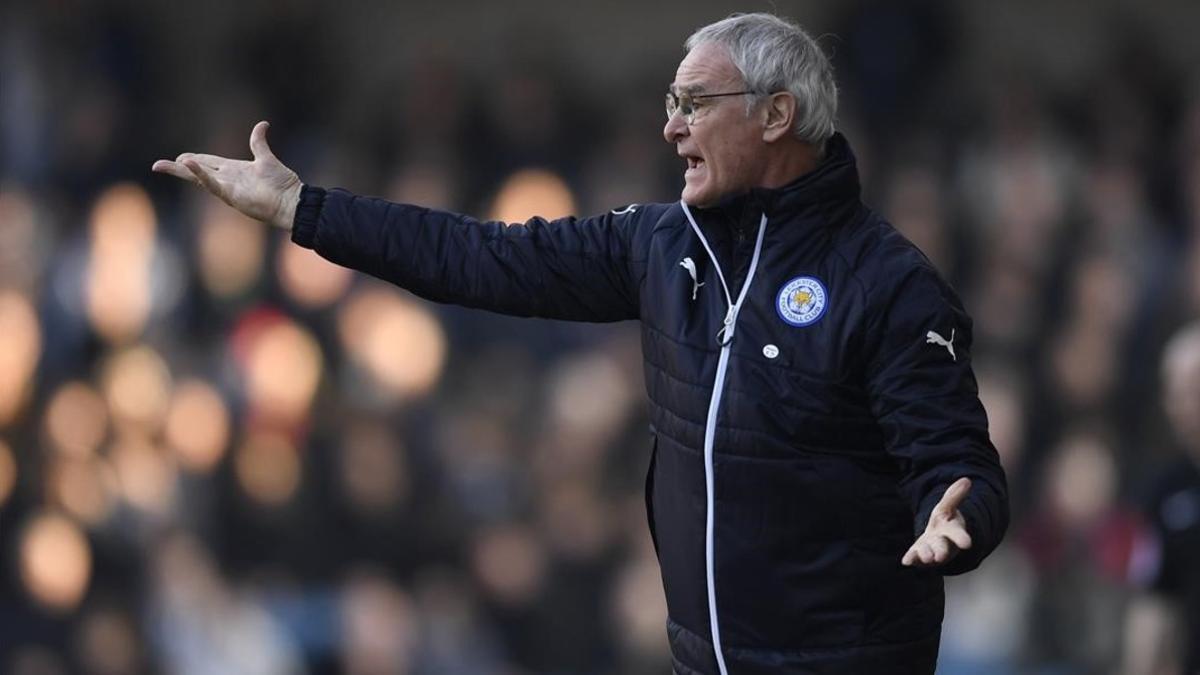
725	339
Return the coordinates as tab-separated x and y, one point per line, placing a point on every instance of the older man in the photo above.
820	455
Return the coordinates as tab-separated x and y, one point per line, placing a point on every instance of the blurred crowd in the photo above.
221	454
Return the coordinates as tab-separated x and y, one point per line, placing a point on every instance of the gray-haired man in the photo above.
819	461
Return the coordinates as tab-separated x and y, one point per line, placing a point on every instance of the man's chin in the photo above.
695	197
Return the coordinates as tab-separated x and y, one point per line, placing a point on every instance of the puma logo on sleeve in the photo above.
935	339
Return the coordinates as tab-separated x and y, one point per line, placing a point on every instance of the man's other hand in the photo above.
263	189
946	534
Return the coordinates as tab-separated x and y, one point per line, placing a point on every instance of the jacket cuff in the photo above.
308	213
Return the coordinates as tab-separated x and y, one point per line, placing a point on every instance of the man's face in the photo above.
723	146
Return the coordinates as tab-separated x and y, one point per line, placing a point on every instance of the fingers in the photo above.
920	554
946	534
183	165
258	141
939	548
958	536
931	550
174	169
204	176
210	162
953	498
923	554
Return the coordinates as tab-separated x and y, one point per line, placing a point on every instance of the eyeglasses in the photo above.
687	104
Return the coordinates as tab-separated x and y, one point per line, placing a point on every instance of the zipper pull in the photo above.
726	333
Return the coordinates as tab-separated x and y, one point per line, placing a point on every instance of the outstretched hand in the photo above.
263	189
946	534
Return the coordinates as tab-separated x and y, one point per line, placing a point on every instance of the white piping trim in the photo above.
725	338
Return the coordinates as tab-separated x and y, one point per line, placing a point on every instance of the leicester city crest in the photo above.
801	301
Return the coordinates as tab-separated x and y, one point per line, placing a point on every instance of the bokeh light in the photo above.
20	257
575	521
590	394
309	279
8	472
429	182
20	349
510	564
108	643
532	192
379	625
1084	362
123	219
76	419
1001	399
267	465
197	426
32	659
117	286
1180	377
398	341
1082	479
640	607
55	561
145	473
85	488
137	384
283	368
372	469
230	250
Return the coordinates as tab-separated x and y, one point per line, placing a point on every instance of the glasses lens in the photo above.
686	107
682	104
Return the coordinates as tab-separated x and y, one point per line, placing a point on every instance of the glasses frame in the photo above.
686	103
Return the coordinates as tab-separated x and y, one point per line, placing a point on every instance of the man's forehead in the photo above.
707	66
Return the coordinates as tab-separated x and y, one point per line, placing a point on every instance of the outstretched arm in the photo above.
582	269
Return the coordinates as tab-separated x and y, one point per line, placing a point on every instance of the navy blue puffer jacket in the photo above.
812	398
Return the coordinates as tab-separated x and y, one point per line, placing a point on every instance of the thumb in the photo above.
258	141
954	497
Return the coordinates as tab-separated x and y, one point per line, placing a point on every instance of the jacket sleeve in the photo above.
577	269
925	397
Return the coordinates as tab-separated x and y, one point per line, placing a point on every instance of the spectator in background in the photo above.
1168	560
1078	542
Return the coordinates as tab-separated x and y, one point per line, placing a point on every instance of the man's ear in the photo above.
780	112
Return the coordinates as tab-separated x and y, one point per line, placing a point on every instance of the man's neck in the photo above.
789	163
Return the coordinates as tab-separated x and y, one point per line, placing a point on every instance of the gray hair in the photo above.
774	54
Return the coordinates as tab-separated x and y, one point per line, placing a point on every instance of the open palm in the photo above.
946	534
263	188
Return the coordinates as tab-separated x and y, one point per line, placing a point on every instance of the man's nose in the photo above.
675	129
